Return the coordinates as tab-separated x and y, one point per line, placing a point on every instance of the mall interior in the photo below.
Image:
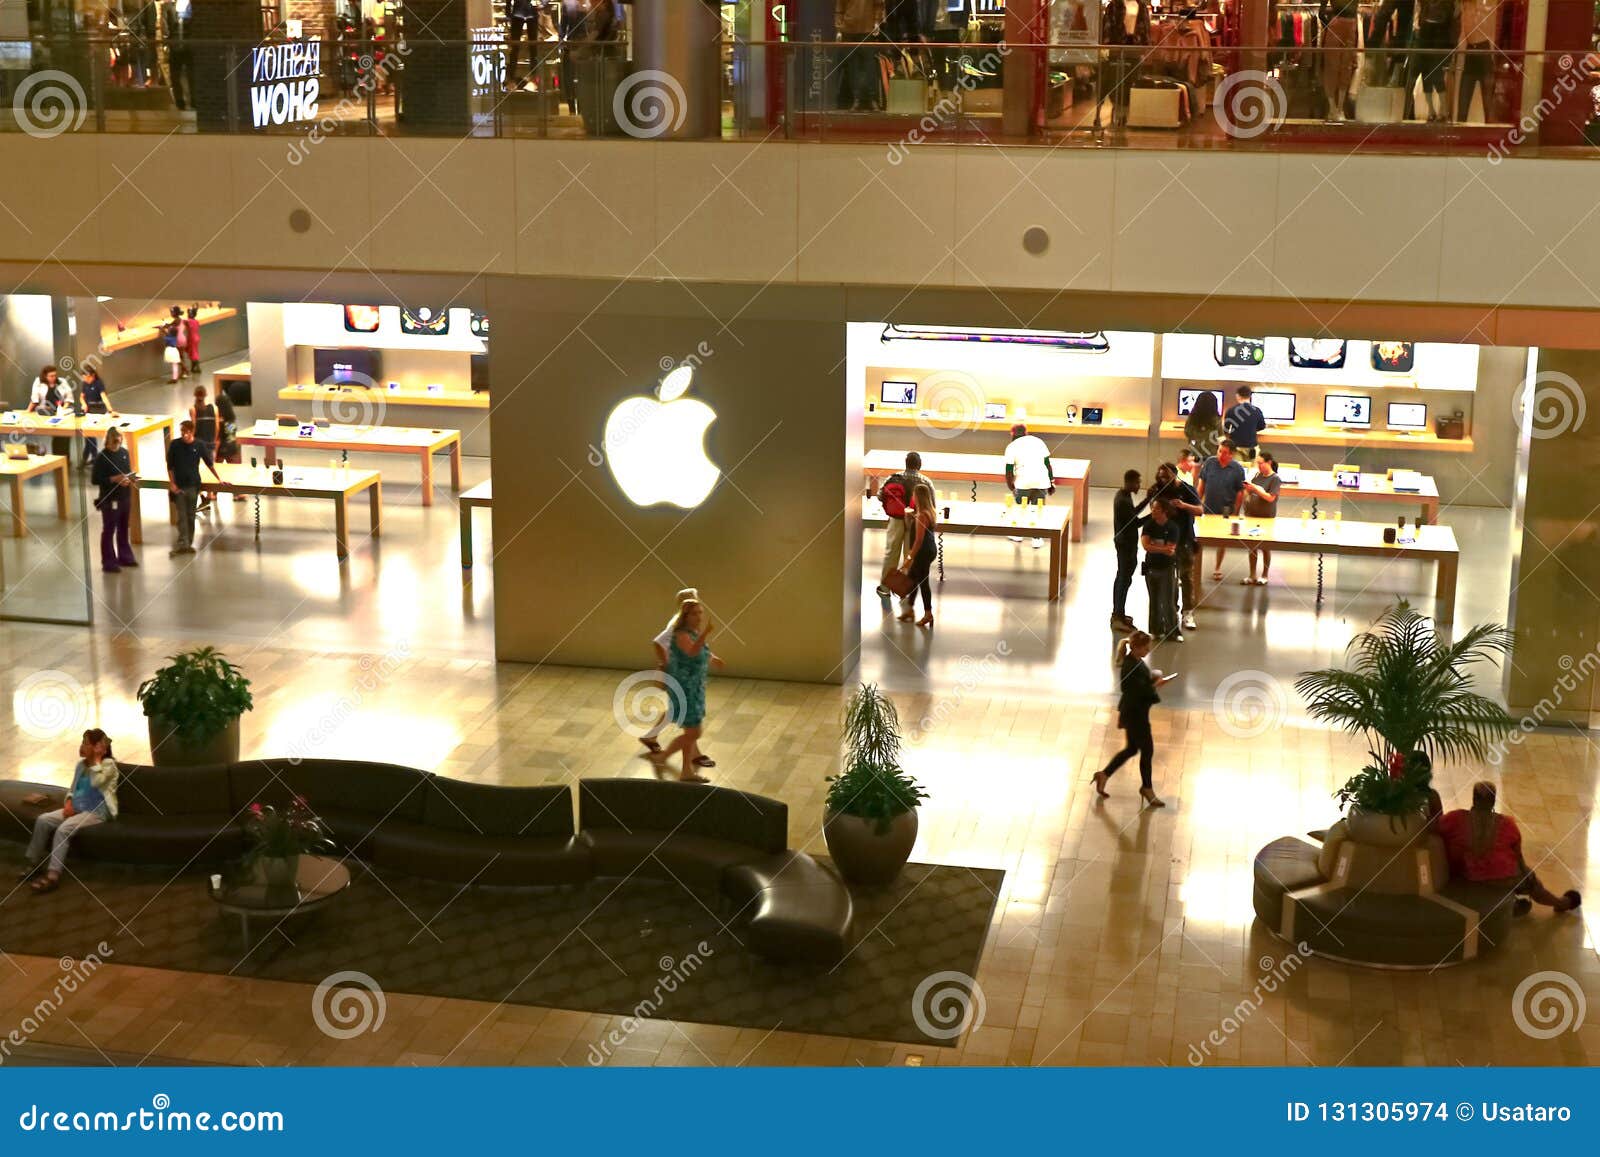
527	451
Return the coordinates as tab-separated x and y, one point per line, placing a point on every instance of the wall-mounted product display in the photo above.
1393	357
1347	410
424	321
362	318
1333	363
1239	351
479	324
899	394
347	366
1317	353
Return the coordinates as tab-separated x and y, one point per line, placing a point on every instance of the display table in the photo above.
993	519
419	443
16	472
1435	544
976	468
337	486
133	427
1374	487
466	410
480	496
1282	439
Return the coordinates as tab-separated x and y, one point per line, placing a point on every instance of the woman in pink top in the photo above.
1485	847
191	335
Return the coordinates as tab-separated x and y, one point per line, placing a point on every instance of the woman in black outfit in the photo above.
207	431
922	547
1139	694
114	476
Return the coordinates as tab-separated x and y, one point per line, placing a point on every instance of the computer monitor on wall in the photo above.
898	393
1408	415
1277	406
1187	399
1347	410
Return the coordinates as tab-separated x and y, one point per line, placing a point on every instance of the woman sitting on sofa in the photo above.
1486	848
92	799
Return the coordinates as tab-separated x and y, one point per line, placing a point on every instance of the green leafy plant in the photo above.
872	785
197	694
278	833
1406	691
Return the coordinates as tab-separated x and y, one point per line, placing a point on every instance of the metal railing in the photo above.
1413	95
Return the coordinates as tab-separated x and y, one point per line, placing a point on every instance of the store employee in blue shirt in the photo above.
1243	423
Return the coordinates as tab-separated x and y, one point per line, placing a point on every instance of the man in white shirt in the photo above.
1029	476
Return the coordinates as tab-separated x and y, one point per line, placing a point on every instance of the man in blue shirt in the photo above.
1222	482
183	479
1244	422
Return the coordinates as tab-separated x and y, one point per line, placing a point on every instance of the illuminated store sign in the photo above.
284	83
488	61
656	449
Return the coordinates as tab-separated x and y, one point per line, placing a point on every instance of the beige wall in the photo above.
1285	226
584	577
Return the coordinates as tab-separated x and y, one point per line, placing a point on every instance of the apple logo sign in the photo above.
656	448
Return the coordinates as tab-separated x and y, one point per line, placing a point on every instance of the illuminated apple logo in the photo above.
657	450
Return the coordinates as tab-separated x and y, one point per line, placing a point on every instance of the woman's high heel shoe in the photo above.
1100	785
925	621
1151	799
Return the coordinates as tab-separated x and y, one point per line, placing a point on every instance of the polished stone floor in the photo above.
1122	936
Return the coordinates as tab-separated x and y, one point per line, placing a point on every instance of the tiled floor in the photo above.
1123	936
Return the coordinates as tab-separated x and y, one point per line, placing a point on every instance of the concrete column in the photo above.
681	40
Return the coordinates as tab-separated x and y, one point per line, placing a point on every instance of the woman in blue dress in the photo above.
688	658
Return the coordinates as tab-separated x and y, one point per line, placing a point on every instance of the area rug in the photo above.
605	947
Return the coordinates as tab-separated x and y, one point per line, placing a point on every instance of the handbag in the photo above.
899	582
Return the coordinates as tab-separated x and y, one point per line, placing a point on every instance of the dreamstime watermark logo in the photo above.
49	103
374	672
649	104
1248	704
949	105
946	1004
951	403
347	1004
1274	973
1547	1004
373	73
1575	674
49	704
74	974
1551	403
674	974
1575	75
970	675
645	700
362	404
1249	103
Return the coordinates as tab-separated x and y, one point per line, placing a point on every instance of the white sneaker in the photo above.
1189	624
1037	543
1014	537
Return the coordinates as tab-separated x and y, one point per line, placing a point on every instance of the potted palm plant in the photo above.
870	815
1409	694
193	705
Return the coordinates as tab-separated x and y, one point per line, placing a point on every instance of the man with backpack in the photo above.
895	494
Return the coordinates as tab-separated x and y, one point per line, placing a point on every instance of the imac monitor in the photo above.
1408	415
1187	399
1094	415
346	367
1277	406
1347	410
898	393
994	411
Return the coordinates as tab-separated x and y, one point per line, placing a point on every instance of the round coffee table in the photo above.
318	879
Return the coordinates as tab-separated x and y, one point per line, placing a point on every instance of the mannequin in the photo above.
1436	24
1338	53
856	22
1479	27
1125	25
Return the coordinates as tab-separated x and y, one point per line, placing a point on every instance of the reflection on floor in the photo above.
995	628
1121	936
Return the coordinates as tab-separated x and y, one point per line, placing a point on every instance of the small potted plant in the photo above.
870	816
193	705
279	837
1409	695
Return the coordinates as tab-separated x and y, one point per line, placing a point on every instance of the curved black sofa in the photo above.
713	839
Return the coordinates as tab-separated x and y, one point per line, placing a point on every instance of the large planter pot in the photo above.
862	854
168	750
1384	831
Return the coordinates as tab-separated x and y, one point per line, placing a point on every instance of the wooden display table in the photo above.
1374	487
1435	544
18	471
421	444
375	399
480	496
976	468
990	519
230	375
337	486
132	426
1281	439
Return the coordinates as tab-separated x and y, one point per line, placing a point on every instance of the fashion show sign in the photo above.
285	83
